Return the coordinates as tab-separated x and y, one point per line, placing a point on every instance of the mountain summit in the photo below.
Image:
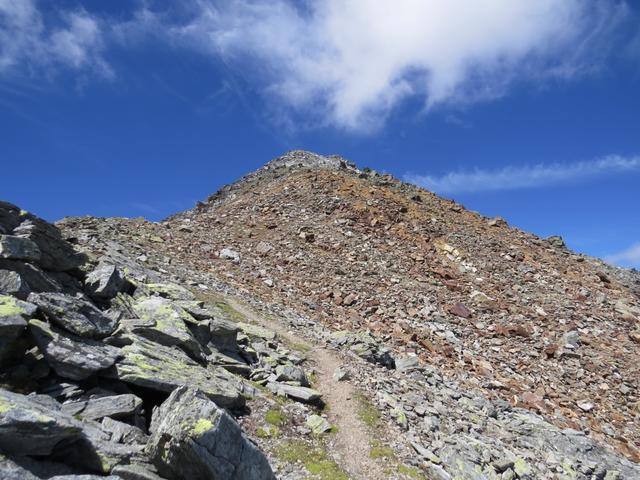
330	322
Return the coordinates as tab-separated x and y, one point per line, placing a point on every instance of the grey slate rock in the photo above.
72	357
105	282
34	425
302	394
290	373
191	437
160	368
169	327
74	314
114	406
18	248
56	253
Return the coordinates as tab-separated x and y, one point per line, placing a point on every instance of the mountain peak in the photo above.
305	158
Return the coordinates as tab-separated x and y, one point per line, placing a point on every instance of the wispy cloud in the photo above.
627	258
528	176
343	63
35	46
349	63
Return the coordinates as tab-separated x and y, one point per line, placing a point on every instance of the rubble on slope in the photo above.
92	346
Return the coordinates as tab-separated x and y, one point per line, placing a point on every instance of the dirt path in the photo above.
352	438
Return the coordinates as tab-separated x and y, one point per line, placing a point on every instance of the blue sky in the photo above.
529	110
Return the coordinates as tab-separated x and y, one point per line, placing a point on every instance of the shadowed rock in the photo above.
18	248
34	425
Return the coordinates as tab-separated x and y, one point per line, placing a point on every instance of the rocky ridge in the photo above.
468	349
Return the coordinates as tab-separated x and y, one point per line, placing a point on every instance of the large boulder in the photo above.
105	282
34	425
72	357
18	248
164	323
157	367
74	314
56	253
191	437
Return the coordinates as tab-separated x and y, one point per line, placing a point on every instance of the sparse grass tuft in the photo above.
275	417
314	458
367	412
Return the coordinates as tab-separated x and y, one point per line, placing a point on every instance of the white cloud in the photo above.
528	176
351	62
629	257
31	45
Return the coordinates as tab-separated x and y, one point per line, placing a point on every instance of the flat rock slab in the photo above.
114	406
191	437
157	367
31	426
72	357
74	314
302	394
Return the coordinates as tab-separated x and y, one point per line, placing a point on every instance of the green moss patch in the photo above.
367	412
201	426
275	417
313	457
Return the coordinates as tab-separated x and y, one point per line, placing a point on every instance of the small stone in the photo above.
585	405
229	254
459	310
318	424
341	374
409	362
